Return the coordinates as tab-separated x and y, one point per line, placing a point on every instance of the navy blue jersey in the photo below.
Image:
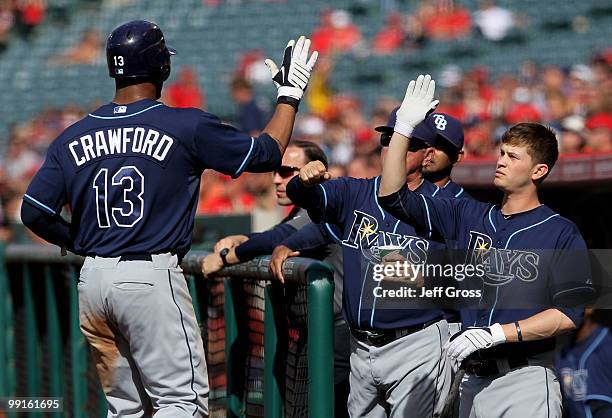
350	205
131	175
585	371
453	191
522	278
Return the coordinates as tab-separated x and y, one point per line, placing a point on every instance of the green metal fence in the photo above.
43	353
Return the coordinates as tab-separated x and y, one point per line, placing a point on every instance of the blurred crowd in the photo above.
430	20
575	101
19	17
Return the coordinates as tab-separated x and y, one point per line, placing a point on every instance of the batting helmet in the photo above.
138	49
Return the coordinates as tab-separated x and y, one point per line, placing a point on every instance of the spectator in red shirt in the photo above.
449	21
391	37
522	110
599	134
185	91
31	14
335	33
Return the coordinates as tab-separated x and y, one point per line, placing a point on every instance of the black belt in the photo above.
490	367
380	337
136	257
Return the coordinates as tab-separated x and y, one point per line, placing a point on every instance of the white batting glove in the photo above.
461	345
418	103
292	78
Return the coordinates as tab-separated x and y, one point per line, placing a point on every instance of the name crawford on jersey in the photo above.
133	140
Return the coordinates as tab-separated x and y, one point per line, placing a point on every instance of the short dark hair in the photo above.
240	83
312	151
540	140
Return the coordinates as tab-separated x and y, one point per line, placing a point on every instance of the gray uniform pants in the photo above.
409	377
531	391
140	324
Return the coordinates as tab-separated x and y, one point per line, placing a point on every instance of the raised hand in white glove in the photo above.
462	344
418	103
292	78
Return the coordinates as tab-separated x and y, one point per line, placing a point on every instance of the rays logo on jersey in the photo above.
501	265
365	235
574	382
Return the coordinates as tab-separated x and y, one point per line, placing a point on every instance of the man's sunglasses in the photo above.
415	144
286	171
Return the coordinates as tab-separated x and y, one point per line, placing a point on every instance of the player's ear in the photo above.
538	172
460	156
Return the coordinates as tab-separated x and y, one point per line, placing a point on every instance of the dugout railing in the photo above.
242	316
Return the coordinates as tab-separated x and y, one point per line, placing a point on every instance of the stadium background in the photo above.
496	64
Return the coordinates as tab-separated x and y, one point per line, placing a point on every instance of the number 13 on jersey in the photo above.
122	200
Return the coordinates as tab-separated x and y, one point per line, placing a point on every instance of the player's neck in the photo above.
520	201
134	93
414	180
442	182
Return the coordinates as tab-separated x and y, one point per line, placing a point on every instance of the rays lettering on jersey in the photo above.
365	235
120	141
501	265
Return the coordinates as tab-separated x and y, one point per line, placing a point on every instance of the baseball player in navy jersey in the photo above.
240	248
130	173
397	363
443	135
585	368
445	149
509	350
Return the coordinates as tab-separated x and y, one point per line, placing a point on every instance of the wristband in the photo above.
289	100
518	331
223	254
403	129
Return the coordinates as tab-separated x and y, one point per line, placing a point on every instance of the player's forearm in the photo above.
309	198
280	126
52	229
307	238
261	243
394	167
548	323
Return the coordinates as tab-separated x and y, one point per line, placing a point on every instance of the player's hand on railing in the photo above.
417	104
292	78
212	264
313	173
230	242
279	255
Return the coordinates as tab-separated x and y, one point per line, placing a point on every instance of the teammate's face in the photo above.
414	159
435	161
516	169
438	160
293	160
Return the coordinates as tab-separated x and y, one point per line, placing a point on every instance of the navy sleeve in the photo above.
311	236
324	202
441	217
263	243
601	408
47	190
228	150
570	275
51	228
